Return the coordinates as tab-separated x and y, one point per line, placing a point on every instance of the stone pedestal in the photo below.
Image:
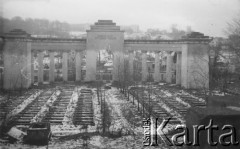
65	66
52	67
157	68
78	66
40	67
169	68
178	68
144	66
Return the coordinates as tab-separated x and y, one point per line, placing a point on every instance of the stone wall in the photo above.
17	64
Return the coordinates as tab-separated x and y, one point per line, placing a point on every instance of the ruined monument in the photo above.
28	59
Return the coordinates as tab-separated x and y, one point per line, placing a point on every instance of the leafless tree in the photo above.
233	32
201	76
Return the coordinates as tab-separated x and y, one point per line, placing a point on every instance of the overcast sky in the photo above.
207	16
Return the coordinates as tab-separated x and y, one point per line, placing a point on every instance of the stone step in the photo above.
54	118
59	109
32	111
86	118
84	123
55	121
56	115
86	108
85	112
65	97
23	121
58	112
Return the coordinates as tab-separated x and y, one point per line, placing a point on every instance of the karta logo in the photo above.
152	131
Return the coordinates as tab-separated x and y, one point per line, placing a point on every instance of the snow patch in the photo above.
119	121
183	102
97	116
168	94
68	117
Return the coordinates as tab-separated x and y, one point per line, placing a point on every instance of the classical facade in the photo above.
28	60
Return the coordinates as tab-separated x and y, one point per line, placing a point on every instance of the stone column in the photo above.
29	66
131	59
118	65
32	67
184	66
144	66
178	68
91	65
78	66
52	67
169	68
65	66
40	67
157	68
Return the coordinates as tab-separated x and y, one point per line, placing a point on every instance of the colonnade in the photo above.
192	61
157	71
77	56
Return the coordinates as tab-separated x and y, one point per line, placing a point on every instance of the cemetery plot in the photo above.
83	114
25	117
57	111
7	104
74	107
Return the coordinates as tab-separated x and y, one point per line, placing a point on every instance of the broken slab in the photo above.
16	134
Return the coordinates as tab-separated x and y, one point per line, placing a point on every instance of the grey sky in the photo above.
207	16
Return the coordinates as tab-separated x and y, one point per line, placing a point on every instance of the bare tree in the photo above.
201	76
233	32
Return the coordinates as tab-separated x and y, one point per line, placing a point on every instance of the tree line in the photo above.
40	26
57	28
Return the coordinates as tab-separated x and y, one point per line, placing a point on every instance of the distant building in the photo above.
132	28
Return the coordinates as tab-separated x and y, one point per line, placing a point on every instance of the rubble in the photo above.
16	134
